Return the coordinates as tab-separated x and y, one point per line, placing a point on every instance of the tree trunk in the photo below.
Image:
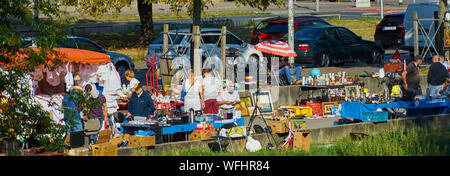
145	15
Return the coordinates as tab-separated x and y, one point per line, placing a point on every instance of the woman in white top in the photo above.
193	91
211	88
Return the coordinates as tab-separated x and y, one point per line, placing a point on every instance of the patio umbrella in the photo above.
275	47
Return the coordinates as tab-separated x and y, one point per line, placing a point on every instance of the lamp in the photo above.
447	16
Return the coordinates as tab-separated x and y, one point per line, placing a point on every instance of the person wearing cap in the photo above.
288	70
411	80
141	104
72	117
211	87
228	99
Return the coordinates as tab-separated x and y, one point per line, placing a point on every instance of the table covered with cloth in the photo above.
184	127
355	109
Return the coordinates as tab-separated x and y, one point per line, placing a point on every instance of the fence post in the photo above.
165	40
223	45
416	33
197	57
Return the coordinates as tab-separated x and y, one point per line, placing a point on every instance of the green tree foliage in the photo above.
20	117
100	7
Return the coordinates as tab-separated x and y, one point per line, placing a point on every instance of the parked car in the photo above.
276	28
329	45
121	61
390	30
180	44
425	10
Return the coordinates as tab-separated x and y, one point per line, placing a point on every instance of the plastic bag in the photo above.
252	144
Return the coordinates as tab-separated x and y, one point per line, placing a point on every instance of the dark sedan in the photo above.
330	45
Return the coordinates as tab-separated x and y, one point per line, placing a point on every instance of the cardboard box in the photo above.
277	126
78	152
206	134
302	141
104	149
104	136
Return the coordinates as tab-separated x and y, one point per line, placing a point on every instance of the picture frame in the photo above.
352	91
327	107
264	101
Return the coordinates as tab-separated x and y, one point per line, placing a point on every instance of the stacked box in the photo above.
316	108
299	110
104	149
302	141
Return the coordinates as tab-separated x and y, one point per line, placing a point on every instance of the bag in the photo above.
252	145
92	126
76	139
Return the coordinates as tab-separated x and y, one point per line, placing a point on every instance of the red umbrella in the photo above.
275	47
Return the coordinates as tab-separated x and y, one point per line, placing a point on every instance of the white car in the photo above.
179	45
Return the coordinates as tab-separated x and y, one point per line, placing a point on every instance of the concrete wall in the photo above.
318	136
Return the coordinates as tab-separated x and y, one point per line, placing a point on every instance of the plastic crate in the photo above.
299	110
316	108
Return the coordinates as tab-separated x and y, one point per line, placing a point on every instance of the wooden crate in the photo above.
116	141
202	134
277	126
104	149
78	152
146	141
132	141
104	136
302	141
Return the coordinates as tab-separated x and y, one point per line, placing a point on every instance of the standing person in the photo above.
437	75
211	87
99	110
72	117
129	76
141	104
411	80
193	91
228	100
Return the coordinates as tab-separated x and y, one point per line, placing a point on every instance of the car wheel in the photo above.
376	57
324	60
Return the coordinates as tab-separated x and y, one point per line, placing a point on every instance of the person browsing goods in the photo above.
141	104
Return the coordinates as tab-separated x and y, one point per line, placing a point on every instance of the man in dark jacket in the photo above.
141	104
437	75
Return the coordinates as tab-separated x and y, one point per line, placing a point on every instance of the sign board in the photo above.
362	3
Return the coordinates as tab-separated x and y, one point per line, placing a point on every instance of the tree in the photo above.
100	7
19	117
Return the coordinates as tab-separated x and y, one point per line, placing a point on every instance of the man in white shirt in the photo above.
228	99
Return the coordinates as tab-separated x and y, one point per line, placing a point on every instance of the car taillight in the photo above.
263	36
182	50
378	26
400	25
254	35
303	47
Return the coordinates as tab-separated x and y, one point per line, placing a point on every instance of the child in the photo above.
129	76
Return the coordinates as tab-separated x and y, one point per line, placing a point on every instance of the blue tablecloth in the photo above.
188	127
355	109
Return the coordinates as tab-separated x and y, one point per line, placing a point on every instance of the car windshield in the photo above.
175	38
308	33
392	20
272	28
